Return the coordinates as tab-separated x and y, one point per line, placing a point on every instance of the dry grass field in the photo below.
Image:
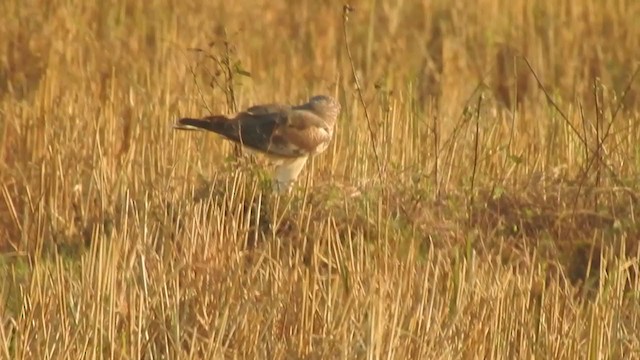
479	201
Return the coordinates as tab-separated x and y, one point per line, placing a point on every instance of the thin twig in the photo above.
476	151
599	119
613	118
226	60
436	144
464	118
584	131
571	126
345	18
195	80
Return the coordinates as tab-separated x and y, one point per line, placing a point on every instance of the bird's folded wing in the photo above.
304	133
272	108
288	133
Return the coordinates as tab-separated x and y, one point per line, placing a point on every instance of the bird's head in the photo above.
325	106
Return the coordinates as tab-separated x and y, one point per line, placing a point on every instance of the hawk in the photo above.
287	135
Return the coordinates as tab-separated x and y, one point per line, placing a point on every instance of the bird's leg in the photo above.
286	174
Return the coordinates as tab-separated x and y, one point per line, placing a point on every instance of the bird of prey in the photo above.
288	135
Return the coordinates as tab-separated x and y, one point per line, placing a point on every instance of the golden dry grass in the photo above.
503	225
